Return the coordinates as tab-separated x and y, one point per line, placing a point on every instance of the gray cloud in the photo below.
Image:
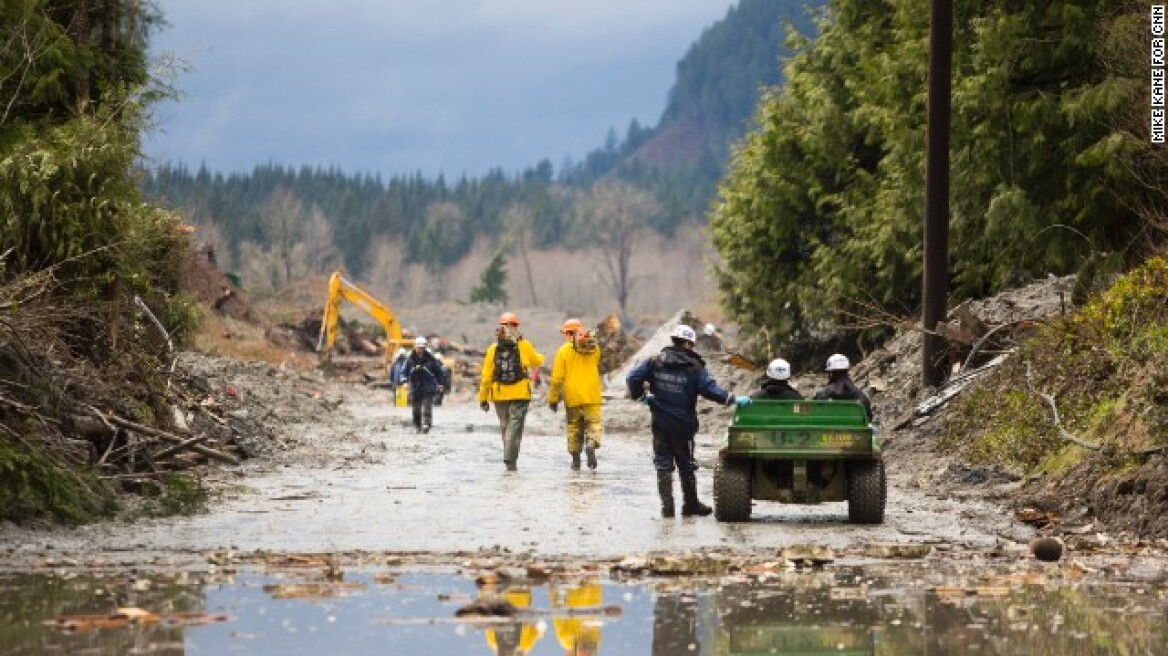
436	86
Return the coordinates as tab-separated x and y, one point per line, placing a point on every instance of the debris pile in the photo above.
616	344
730	369
980	335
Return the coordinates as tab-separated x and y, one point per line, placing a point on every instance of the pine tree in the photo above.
494	277
819	220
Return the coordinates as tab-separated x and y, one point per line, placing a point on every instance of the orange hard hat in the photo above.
508	318
571	326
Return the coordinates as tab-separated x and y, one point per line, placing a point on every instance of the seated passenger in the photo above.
840	385
775	386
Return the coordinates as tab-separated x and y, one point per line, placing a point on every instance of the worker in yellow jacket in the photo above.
506	382
576	381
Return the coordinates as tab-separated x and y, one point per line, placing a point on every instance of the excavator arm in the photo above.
340	289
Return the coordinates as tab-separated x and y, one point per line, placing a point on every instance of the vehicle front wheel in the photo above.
732	491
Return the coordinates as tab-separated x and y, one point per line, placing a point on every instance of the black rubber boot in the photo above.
689	489
665	489
576	461
590	451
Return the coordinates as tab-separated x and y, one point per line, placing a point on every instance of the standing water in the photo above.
871	609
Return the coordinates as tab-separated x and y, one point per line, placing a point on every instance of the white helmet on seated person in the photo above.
838	362
683	331
779	369
709	330
419	342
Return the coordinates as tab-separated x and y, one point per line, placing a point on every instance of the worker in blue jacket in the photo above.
426	379
676	377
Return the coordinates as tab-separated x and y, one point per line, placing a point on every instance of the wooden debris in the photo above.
313	591
127	617
947	392
170	437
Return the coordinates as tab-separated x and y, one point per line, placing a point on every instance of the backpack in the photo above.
508	367
584	342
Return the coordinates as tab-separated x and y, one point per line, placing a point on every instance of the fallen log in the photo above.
181	446
171	437
947	392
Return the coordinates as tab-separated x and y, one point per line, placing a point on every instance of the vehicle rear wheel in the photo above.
867	489
732	491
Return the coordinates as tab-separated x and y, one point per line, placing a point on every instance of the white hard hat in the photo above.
683	331
779	369
838	362
710	329
419	341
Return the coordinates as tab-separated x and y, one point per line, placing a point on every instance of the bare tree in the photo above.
258	266
614	214
283	219
320	253
517	225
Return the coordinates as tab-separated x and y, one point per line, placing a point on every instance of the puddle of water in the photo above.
847	610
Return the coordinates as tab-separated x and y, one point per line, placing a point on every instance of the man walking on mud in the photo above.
676	377
425	376
576	381
506	383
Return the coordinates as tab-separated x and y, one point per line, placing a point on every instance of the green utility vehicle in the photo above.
800	452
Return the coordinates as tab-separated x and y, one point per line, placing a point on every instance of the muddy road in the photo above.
359	478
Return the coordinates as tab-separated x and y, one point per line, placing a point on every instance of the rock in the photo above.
807	554
1047	549
488	608
896	550
688	564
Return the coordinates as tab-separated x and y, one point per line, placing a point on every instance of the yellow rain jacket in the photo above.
575	377
489	390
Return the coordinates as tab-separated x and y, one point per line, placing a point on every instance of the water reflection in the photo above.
675	623
877	610
515	638
27	602
577	616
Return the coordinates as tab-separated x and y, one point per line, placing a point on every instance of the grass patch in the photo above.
1105	367
35	485
181	494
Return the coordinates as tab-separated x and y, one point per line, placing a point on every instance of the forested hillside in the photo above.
83	260
323	219
819	220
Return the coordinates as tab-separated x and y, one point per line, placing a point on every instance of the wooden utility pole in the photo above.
935	281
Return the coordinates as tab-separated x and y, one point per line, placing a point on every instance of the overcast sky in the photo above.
400	86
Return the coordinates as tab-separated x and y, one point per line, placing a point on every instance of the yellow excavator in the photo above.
341	289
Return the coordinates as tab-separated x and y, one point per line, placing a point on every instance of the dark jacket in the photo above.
424	373
777	390
676	377
840	386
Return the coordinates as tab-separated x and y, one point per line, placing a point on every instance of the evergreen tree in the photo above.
819	219
494	277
